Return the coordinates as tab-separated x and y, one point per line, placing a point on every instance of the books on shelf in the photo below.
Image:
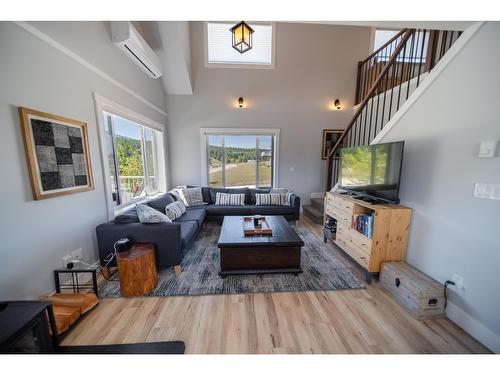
363	223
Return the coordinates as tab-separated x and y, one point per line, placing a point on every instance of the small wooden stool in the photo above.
137	270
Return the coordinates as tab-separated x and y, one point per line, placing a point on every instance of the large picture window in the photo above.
240	160
132	157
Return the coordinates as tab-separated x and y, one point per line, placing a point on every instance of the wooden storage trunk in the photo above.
420	295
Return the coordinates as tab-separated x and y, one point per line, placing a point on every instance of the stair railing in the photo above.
385	80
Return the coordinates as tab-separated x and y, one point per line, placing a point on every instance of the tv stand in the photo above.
391	225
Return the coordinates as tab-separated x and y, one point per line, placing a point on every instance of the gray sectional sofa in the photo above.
173	239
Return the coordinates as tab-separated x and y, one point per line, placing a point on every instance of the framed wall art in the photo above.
57	151
330	138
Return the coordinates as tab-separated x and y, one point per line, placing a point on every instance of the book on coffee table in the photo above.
249	228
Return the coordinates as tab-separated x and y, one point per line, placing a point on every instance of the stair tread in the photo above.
313	210
318	203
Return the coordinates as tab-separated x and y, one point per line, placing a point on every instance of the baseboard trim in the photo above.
47	39
473	327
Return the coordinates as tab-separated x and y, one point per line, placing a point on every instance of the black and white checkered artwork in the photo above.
60	154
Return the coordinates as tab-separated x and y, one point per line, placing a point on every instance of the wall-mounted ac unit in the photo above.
131	43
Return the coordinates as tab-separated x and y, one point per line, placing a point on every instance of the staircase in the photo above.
385	80
314	211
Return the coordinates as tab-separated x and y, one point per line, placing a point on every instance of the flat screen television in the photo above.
372	172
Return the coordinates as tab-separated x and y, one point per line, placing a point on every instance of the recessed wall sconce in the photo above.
337	104
240	102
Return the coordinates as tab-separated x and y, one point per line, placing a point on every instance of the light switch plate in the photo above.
487	191
487	149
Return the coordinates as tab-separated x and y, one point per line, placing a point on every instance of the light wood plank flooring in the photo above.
351	321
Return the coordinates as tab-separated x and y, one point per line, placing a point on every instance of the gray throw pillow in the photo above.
193	196
148	215
175	210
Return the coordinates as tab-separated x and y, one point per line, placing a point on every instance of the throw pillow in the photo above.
175	210
148	215
268	199
226	199
282	191
288	199
193	196
178	193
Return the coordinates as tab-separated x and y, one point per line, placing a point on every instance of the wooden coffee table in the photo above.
241	255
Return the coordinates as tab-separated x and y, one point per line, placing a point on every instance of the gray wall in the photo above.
314	65
33	74
452	232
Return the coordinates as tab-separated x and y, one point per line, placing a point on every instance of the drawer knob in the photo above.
397	282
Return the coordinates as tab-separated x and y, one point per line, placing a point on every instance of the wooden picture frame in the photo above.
330	138
57	152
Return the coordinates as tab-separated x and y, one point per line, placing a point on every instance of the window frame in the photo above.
103	105
239	65
205	132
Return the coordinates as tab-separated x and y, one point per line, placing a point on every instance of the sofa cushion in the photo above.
271	210
258	191
205	192
159	203
227	210
197	215
188	231
148	215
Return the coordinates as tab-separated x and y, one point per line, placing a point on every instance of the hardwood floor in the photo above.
350	321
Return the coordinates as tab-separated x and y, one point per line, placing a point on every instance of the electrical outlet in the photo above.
458	280
77	254
65	260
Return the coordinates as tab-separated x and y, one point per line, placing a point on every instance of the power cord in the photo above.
448	282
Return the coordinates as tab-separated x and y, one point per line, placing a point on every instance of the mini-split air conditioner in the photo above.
125	36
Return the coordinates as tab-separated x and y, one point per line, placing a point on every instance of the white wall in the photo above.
33	74
314	65
452	232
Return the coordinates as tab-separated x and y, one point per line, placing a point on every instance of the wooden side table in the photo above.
137	270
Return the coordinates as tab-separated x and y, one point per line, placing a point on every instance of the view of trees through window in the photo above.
131	158
240	160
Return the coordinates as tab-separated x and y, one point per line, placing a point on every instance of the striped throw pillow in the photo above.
288	199
175	210
272	199
226	199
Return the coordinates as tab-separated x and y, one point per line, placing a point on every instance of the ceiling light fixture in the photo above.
242	37
240	102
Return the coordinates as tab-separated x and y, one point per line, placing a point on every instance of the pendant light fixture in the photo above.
242	37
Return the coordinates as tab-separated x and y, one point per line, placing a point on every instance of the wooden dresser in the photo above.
389	235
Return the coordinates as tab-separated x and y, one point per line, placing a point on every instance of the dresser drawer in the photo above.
342	217
354	252
343	204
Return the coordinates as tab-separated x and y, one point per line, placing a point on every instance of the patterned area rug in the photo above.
322	270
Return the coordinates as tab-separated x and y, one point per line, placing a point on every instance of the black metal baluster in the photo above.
402	74
421	54
410	66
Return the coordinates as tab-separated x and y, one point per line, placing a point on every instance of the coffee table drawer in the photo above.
259	258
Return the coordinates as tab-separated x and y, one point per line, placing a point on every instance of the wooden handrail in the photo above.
383	46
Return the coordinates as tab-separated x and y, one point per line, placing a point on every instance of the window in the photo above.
132	158
239	159
417	49
220	52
